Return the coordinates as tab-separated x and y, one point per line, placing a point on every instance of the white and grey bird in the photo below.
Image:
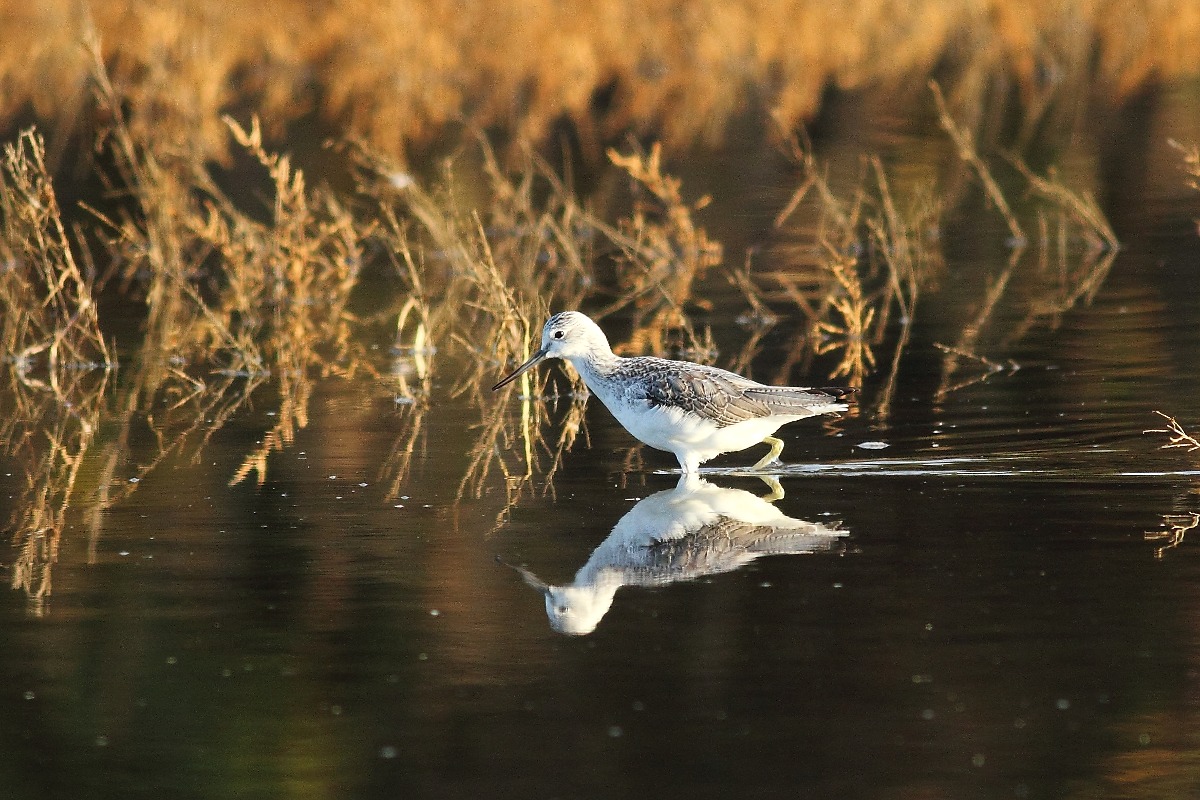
692	410
689	532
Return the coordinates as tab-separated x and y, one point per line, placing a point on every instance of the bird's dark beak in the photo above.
526	575
534	359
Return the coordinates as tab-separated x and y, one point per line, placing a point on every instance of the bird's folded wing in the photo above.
705	393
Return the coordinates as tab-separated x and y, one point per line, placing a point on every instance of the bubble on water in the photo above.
978	760
872	445
616	731
387	751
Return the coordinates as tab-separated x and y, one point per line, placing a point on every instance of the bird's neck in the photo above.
596	366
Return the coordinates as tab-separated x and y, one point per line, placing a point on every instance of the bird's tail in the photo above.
839	392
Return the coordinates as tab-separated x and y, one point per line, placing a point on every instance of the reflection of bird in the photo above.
693	530
691	410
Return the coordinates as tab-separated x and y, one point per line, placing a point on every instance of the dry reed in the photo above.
399	71
857	270
482	278
56	361
663	254
252	301
239	298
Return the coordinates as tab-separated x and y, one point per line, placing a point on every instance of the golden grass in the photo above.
864	255
482	279
246	300
233	303
52	325
396	72
259	300
58	363
479	283
663	254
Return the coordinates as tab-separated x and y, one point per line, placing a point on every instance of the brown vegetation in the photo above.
248	299
396	72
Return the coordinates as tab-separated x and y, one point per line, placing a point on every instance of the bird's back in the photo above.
718	395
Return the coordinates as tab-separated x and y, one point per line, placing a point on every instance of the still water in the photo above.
1001	602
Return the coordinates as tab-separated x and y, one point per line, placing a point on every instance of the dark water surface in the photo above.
976	610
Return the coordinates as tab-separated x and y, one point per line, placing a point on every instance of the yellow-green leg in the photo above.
772	454
773	484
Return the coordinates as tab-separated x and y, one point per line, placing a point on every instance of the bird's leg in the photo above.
690	464
772	454
773	484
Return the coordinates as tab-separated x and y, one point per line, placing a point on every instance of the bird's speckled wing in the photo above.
723	397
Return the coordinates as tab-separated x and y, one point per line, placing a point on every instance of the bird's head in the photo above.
567	335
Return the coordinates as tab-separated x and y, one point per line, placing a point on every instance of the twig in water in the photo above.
1178	436
952	353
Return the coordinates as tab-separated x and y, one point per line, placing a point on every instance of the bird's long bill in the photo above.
533	360
526	575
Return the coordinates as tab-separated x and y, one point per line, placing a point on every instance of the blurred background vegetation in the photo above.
397	72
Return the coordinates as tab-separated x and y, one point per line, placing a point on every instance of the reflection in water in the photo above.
1174	529
693	530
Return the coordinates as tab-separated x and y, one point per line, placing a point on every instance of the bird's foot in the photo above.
772	455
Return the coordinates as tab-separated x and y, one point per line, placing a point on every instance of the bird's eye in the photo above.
558	334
